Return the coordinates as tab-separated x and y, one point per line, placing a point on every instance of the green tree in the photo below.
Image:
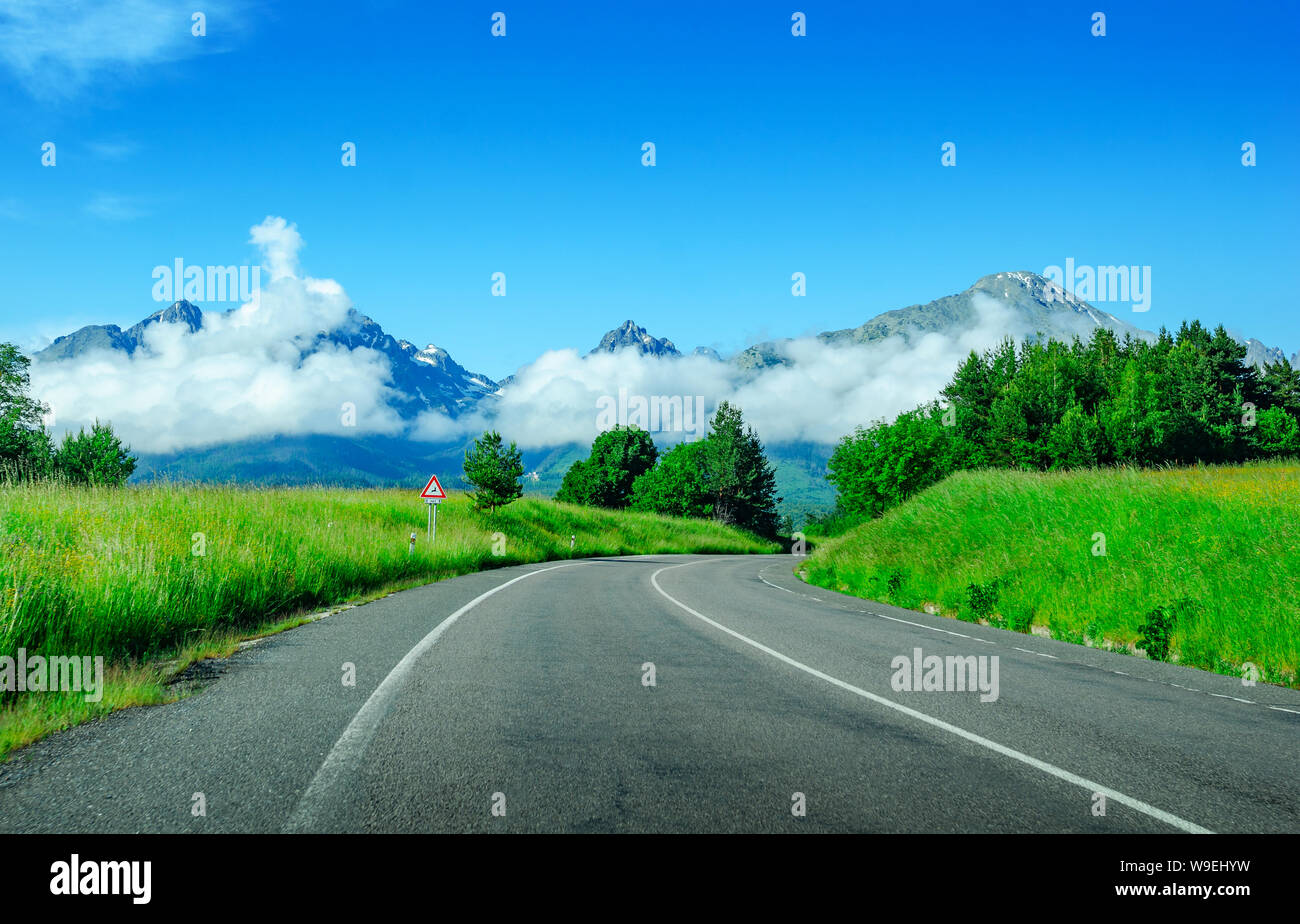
881	466
676	485
26	450
1181	398
574	489
741	480
1280	385
97	457
494	471
604	479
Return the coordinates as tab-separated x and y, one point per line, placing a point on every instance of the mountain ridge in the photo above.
428	378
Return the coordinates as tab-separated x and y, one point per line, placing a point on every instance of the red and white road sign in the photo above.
433	490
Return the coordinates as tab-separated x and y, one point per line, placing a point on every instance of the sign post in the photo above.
433	495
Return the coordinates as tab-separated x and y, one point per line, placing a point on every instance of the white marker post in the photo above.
433	495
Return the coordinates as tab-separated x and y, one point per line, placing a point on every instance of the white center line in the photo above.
1092	787
347	752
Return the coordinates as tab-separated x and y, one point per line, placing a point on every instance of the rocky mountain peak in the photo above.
630	335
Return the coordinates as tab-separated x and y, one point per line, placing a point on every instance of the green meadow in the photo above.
1207	557
154	578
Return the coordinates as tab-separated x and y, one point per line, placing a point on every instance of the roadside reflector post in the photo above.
571	541
412	548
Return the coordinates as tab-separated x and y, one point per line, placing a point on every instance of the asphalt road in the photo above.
524	691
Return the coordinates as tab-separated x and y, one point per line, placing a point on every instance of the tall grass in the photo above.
1215	550
140	574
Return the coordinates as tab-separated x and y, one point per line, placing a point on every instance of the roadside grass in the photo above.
1207	558
155	578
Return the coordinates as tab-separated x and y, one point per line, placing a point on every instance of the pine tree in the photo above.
494	471
741	481
97	457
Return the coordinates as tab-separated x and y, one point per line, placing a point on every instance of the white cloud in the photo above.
279	242
258	371
112	207
821	395
58	48
112	150
242	375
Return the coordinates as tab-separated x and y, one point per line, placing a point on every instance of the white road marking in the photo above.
787	589
347	752
1086	784
931	628
1283	709
777	586
984	641
1237	698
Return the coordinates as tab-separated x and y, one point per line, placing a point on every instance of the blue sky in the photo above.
775	154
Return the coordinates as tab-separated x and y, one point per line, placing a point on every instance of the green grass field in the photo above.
153	578
1216	547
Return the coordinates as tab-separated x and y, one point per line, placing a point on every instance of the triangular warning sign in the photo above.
433	489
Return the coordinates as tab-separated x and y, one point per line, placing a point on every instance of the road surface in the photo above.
520	700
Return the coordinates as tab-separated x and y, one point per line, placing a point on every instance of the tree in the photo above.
618	457
26	450
676	485
1181	398
575	489
494	471
884	465
1280	385
741	481
97	457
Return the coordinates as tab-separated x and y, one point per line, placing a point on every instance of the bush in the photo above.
982	599
97	457
1156	631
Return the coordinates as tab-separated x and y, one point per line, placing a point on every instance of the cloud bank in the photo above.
256	371
821	394
262	370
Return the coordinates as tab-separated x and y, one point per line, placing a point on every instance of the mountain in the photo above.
112	337
428	378
1258	354
424	379
1035	305
630	336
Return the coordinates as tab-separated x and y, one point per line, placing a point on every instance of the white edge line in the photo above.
351	745
778	586
1050	769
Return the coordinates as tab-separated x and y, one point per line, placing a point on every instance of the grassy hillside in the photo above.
1214	552
169	572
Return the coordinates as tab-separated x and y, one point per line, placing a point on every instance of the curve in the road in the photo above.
1115	795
